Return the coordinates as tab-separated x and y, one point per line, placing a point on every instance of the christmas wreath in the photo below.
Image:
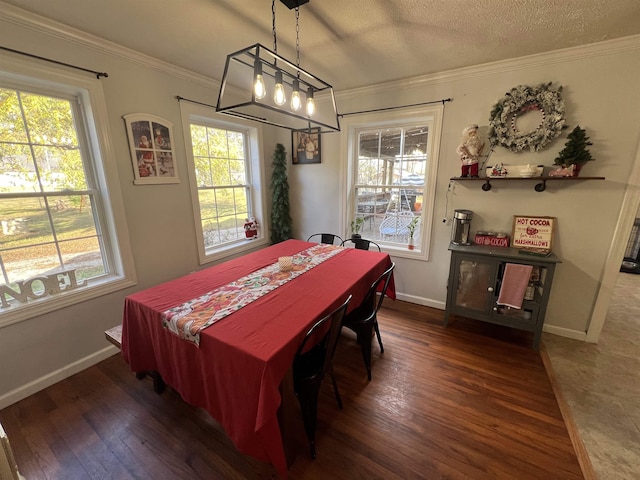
518	101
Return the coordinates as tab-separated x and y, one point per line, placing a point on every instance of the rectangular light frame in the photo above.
237	97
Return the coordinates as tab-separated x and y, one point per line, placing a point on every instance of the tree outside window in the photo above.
225	173
54	235
46	205
224	192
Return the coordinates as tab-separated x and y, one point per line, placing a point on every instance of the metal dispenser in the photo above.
461	227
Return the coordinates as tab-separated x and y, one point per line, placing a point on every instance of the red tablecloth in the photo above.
236	371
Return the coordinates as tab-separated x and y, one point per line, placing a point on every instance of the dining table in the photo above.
225	337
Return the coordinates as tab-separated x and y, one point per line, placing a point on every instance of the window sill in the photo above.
220	253
21	312
404	252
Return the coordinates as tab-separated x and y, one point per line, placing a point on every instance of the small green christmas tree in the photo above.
280	214
575	150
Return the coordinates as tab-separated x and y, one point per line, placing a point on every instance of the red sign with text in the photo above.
491	240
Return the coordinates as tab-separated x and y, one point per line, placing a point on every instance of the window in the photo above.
58	243
392	171
226	182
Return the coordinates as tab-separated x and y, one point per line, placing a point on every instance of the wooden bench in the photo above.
8	466
114	336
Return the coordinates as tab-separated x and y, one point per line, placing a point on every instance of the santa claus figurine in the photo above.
251	228
470	150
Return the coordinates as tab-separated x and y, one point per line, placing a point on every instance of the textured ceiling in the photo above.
348	43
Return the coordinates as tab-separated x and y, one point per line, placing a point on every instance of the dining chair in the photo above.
311	365
363	319
360	243
328	238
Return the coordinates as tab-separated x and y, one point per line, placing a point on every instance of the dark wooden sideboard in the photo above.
475	278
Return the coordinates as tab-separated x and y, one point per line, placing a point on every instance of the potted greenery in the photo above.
575	151
281	224
356	225
412	229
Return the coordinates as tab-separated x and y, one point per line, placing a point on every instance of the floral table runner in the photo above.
190	318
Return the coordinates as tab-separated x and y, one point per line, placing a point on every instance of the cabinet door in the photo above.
474	283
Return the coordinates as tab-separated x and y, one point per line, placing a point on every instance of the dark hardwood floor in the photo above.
471	401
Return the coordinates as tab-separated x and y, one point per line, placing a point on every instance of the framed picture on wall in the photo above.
151	145
305	145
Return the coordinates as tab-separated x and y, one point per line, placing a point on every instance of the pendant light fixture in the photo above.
257	83
296	101
279	95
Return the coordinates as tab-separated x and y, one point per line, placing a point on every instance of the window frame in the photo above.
203	115
95	143
431	116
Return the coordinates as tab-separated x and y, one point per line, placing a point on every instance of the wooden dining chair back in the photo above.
312	364
328	238
363	319
361	243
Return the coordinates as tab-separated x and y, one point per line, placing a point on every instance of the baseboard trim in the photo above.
581	452
565	332
427	302
45	381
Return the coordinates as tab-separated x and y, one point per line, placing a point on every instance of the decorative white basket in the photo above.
514	171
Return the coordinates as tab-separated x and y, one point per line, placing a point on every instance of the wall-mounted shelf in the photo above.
541	182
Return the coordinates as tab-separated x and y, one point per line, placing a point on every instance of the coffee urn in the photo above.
461	226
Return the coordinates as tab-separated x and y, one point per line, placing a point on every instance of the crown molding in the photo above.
564	55
46	26
58	30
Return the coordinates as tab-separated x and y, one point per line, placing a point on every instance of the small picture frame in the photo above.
306	146
533	232
152	154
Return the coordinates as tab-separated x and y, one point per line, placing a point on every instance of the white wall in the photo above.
601	95
600	92
45	349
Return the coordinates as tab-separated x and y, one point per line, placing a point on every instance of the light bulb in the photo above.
279	96
259	89
311	104
296	102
